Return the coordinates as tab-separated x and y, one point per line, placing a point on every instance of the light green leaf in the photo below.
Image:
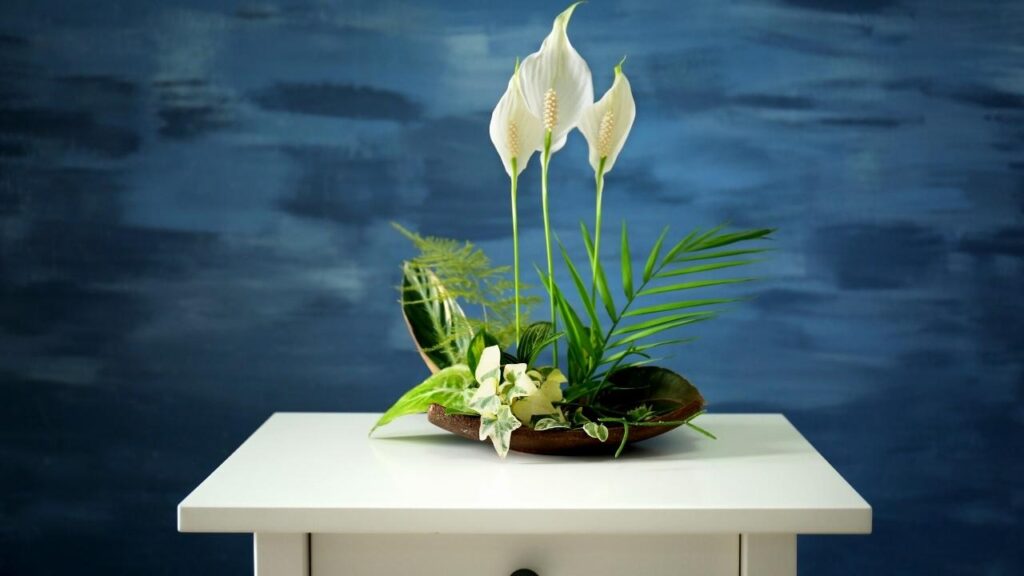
499	428
550	424
447	387
595	430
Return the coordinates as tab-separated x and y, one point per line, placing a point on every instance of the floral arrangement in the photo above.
487	366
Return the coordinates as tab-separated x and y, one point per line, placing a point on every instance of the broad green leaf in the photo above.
435	320
703	268
447	387
627	264
499	428
692	285
595	430
678	305
658	388
652	258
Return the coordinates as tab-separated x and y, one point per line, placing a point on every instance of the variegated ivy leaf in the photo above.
521	384
595	430
499	428
550	424
447	387
540	401
485	401
489	365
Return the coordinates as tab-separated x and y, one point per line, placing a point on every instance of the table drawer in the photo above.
484	555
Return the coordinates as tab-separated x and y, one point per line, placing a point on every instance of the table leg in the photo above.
768	555
281	554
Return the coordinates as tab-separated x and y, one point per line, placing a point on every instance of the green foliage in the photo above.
534	339
437	323
595	430
482	339
469	277
448	388
595	353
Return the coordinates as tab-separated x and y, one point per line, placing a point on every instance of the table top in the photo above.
310	472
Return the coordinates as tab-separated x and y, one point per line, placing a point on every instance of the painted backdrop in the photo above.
195	200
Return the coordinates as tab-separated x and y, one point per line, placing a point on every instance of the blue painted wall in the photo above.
194	208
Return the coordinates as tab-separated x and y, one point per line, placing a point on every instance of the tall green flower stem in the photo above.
515	241
599	189
545	159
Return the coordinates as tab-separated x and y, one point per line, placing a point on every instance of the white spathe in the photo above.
556	82
515	131
606	123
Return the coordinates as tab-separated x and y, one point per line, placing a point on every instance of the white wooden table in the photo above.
323	499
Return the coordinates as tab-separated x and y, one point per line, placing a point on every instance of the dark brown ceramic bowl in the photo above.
573	441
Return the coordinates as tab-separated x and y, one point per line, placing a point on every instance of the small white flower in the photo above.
606	123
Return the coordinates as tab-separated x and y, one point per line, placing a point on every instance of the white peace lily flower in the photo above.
606	123
515	131
556	82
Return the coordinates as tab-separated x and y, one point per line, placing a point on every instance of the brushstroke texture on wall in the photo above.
194	209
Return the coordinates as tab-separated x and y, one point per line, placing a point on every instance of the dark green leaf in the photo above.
602	280
678	305
662	320
720	254
653	330
588	304
642	349
659	388
627	265
691	285
435	320
703	268
716	241
652	258
480	341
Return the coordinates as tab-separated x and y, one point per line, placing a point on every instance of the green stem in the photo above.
545	159
599	185
515	242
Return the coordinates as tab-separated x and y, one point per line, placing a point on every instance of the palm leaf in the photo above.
627	265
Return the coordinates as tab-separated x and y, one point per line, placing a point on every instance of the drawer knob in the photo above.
524	572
